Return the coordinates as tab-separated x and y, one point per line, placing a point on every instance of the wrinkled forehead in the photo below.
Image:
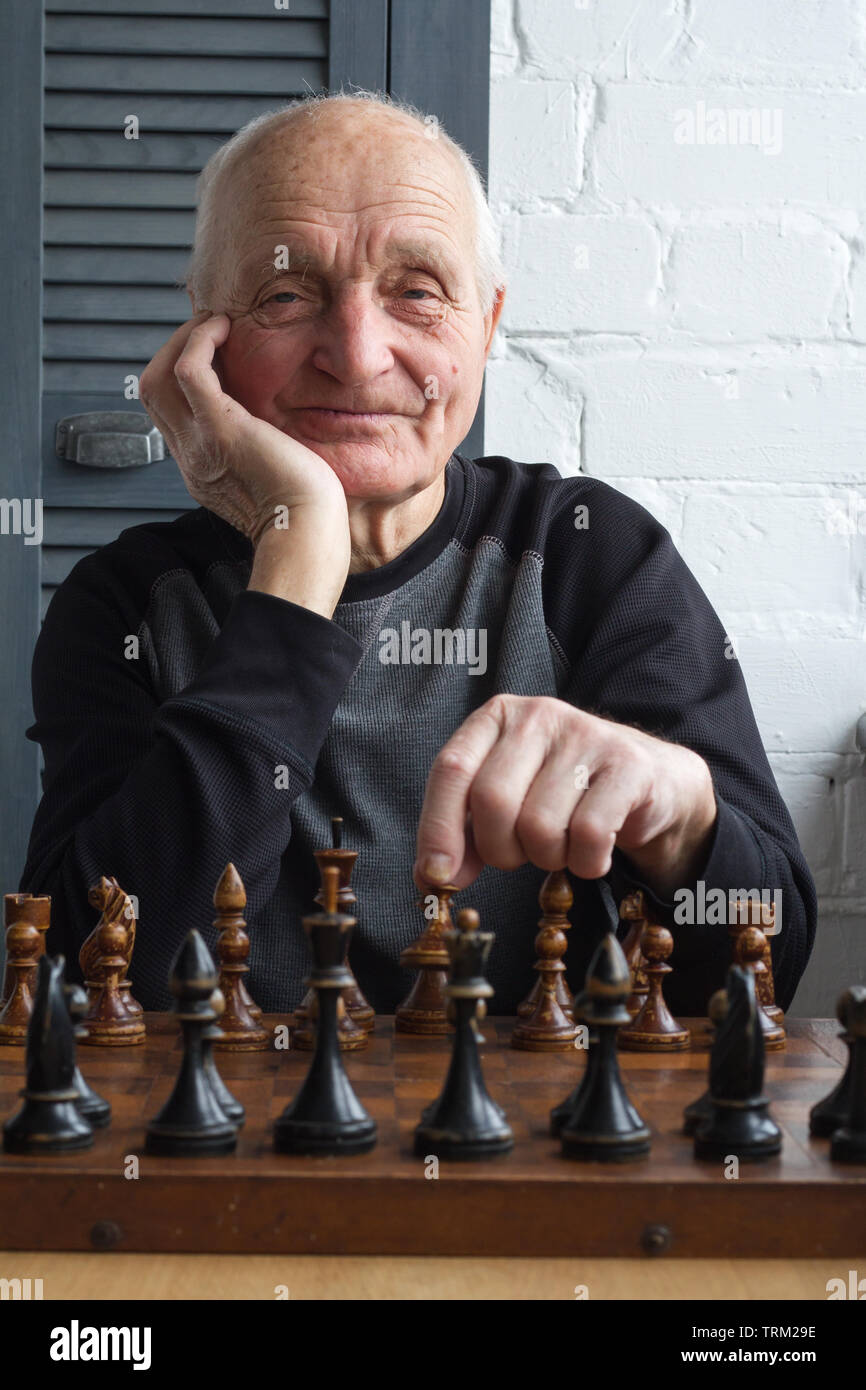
342	171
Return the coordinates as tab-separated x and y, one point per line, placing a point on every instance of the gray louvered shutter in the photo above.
119	213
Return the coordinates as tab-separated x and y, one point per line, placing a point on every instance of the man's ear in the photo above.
491	318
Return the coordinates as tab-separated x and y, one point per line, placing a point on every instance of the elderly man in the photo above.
488	670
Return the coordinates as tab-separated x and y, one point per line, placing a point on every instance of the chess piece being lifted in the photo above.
240	1027
24	907
49	1121
117	907
555	899
326	1116
633	910
425	1010
192	1122
465	1122
601	1123
848	1144
654	1029
547	1024
833	1111
739	1122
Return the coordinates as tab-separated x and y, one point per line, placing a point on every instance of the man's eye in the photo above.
283	297
419	293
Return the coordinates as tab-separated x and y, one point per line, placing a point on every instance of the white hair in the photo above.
202	266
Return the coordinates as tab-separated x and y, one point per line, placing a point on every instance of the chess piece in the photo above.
549	1025
633	910
192	1122
355	1017
555	899
701	1109
25	945
832	1112
108	1022
95	1109
764	982
24	907
750	946
561	1113
231	1108
425	1010
848	1144
465	1122
747	911
739	1122
326	1116
654	1029
240	1027
115	906
357	1007
49	1121
602	1124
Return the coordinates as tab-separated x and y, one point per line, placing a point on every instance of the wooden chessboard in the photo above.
530	1202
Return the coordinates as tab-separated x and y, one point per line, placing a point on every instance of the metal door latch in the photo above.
109	439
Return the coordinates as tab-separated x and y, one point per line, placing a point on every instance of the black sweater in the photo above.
187	721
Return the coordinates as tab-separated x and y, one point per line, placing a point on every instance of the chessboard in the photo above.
530	1202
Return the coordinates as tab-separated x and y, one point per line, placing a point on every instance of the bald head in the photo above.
302	147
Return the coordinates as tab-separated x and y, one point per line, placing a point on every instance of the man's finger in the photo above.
194	369
441	843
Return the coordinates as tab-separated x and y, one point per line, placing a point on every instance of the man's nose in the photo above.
355	346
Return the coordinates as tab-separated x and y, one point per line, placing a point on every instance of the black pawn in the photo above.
702	1108
848	1144
739	1123
231	1108
191	1121
92	1106
602	1124
326	1116
465	1122
49	1121
832	1112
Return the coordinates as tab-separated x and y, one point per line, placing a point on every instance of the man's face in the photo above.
370	348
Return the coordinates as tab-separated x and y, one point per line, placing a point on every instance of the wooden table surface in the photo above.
530	1224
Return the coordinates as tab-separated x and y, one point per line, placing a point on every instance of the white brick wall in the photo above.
686	318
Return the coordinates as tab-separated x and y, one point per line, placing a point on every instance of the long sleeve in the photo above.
651	652
163	794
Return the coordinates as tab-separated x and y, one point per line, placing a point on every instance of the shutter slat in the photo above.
118	189
65	149
297	9
115	265
115	303
131	75
252	37
83	526
119	227
103	341
220	115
